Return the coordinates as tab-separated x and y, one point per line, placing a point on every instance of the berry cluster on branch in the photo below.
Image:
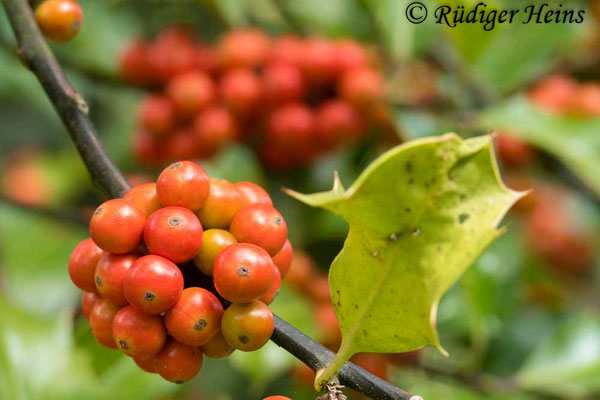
165	291
292	98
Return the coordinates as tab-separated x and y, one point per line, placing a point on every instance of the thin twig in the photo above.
73	110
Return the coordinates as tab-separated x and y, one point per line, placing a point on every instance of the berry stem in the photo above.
73	111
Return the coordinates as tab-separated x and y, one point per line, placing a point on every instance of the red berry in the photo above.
146	364
88	301
261	225
277	398
217	347
191	92
318	290
350	54
282	83
283	259
110	274
183	184
273	291
181	144
156	115
337	121
196	317
301	272
247	326
101	319
222	204
178	363
555	93
117	226
291	128
214	240
174	233
361	86
319	61
59	20
153	284
146	148
172	53
513	151
137	334
329	328
206	59
82	265
288	49
374	363
144	198
252	193
243	272
243	48
241	90
586	100
215	128
133	63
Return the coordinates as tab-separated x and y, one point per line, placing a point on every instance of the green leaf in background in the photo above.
574	141
567	362
35	253
419	216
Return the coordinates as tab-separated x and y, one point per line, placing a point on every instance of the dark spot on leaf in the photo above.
355	306
407	209
338	303
411	181
462	218
123	344
201	324
408	166
416	232
375	253
243	271
393	237
149	296
243	339
463	197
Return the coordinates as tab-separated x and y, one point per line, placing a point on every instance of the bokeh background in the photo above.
522	323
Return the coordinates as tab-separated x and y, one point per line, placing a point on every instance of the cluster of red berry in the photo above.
550	229
291	97
562	95
59	20
162	308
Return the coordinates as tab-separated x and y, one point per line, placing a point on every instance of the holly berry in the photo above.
273	291
157	115
222	204
338	121
319	61
59	20
177	362
116	226
110	274
288	49
282	82
183	184
243	272
101	320
215	127
217	347
133	63
174	233
153	284
350	55
251	193
291	128
88	301
361	86
240	90
277	398
137	334
261	225
247	326
301	272
146	364
82	265
214	240
195	318
513	151
283	259
191	92
144	198
243	48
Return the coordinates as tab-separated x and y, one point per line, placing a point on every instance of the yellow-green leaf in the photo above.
418	217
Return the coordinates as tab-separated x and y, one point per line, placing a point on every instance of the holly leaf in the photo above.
574	141
418	216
